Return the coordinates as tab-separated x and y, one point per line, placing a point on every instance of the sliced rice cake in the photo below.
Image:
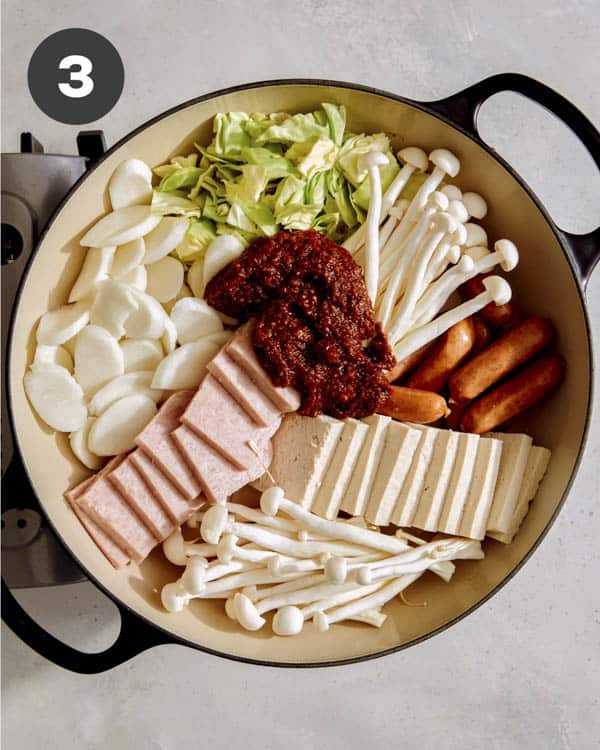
477	506
357	495
243	389
339	473
515	452
537	463
241	349
217	476
302	450
460	483
155	439
437	480
220	421
410	494
138	494
175	504
401	443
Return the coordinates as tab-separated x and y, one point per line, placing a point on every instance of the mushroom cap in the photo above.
508	251
477	252
476	205
399	208
246	613
438	201
270	500
460	235
213	524
336	569
251	592
414	156
174	548
288	620
444	222
226	547
453	254
372	159
498	289
445	160
321	621
193	579
466	264
476	235
364	575
458	209
452	192
230	609
173	600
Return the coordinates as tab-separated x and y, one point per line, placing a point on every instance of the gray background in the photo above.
523	671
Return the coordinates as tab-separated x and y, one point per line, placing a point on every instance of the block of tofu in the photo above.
104	504
410	494
515	452
218	477
401	443
460	483
357	495
138	494
437	480
241	349
155	439
537	463
220	421
481	492
243	389
302	451
175	504
339	472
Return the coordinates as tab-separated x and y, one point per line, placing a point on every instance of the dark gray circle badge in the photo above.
76	76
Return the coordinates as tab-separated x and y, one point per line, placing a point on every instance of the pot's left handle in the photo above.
462	109
134	637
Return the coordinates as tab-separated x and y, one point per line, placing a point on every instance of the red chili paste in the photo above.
315	329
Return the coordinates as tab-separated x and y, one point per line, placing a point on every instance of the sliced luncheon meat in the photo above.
138	494
241	349
155	439
218	477
220	420
243	389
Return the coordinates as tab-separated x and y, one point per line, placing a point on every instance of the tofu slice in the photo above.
359	489
460	483
220	421
515	452
410	494
302	451
244	390
481	493
339	473
537	463
241	349
138	494
401	443
437	481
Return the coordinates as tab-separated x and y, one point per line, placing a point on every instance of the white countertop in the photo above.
523	670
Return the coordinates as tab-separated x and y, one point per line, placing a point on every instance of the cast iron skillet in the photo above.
459	111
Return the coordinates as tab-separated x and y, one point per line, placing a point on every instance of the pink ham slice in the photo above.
157	442
175	504
241	349
217	476
215	416
131	485
243	389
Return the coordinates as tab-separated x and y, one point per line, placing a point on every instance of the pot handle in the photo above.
134	637
462	109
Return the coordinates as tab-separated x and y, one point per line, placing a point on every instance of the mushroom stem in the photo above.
371	161
374	617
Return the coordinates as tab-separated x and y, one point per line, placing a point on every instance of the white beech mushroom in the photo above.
476	235
371	162
497	290
452	192
178	551
447	253
475	205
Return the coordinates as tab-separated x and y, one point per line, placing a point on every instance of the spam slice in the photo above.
302	450
243	389
408	500
241	349
537	463
357	494
477	506
155	439
460	483
138	494
401	442
437	481
339	473
220	421
515	452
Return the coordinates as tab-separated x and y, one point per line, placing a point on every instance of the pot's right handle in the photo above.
462	109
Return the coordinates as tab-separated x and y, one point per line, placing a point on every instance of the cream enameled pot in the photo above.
560	424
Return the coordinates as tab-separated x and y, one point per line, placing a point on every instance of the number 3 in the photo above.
82	76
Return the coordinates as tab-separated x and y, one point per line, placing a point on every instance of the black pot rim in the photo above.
170	637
